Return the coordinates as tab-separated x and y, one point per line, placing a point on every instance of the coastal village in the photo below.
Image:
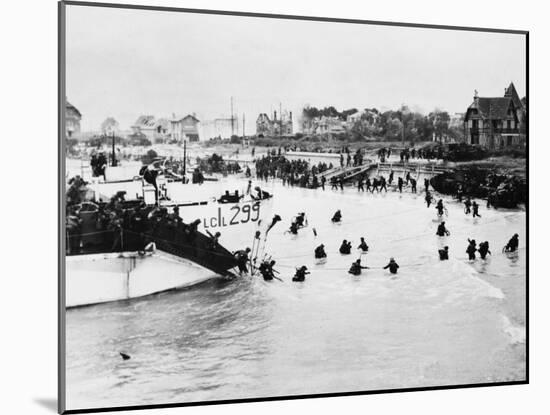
475	154
494	122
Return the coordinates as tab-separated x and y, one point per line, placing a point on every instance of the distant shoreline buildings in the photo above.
266	127
492	122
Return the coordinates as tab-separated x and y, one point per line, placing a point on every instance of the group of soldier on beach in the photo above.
471	207
111	216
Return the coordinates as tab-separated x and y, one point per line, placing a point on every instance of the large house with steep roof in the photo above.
496	122
520	104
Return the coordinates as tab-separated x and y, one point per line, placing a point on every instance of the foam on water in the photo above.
464	271
517	333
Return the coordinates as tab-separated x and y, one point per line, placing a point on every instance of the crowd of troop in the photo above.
99	226
120	225
267	271
98	164
292	172
406	154
351	161
266	268
471	207
116	225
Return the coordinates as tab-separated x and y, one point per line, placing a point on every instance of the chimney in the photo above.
476	97
290	115
275	115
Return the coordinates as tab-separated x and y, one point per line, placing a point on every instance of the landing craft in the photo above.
104	265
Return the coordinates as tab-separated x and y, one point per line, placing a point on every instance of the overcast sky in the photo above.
123	63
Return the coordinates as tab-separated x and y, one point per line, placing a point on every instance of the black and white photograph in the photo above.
270	206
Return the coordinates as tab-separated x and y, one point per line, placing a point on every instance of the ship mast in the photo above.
184	160
113	154
232	119
280	120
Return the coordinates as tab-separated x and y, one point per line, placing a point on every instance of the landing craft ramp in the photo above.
346	173
342	171
329	172
430	169
349	173
363	169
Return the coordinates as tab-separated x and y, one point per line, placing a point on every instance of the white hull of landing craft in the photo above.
100	278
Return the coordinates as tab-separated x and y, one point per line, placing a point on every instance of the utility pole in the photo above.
403	128
114	157
280	120
184	160
232	119
243	127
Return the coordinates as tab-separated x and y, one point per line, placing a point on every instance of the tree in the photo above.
440	121
393	128
346	113
109	126
424	128
309	112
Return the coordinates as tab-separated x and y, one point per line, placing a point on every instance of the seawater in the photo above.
434	323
